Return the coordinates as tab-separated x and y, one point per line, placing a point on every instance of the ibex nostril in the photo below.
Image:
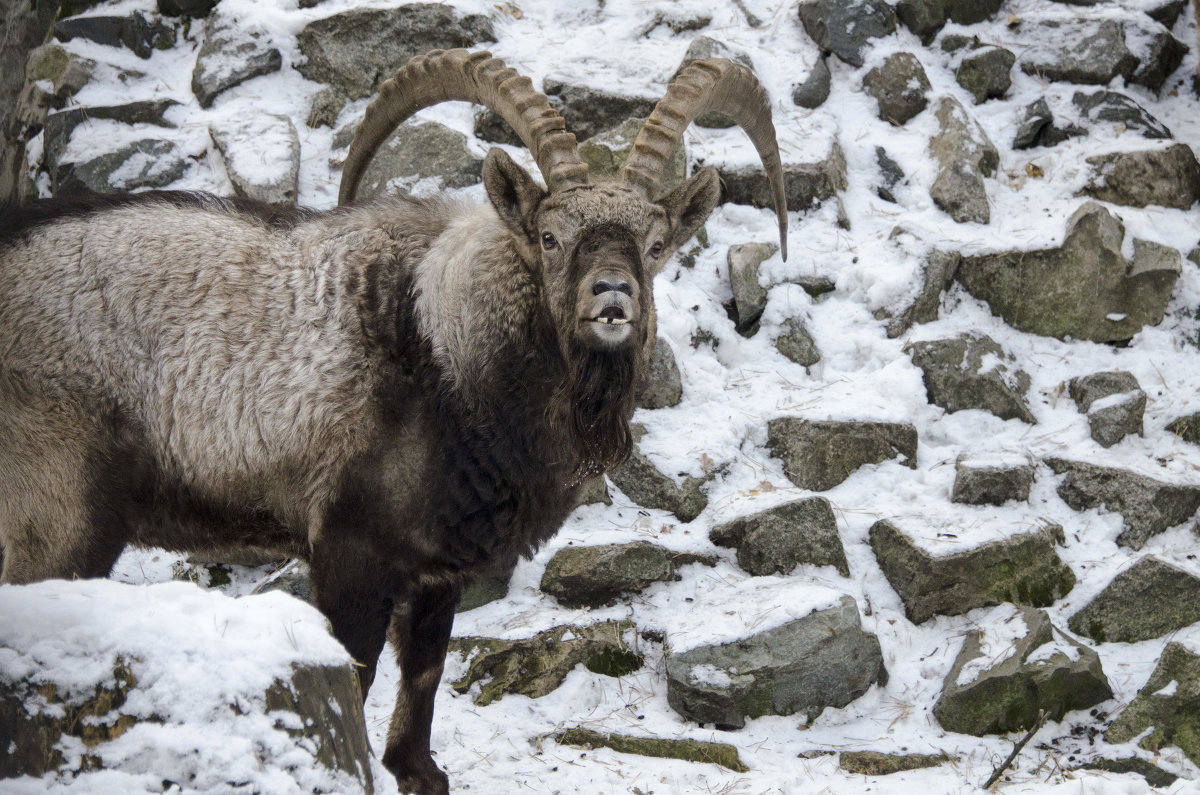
602	286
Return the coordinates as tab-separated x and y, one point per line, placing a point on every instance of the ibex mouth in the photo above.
612	315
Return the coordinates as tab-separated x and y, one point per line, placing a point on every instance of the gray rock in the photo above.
1087	389
645	485
815	286
61	125
805	185
327	105
421	150
1154	775
965	156
589	111
1148	600
229	56
293	579
1080	50
874	763
664	387
1167	12
777	540
926	17
147	163
193	9
972	371
1186	428
1117	417
813	92
722	754
133	32
706	47
65	71
986	73
606	152
818	455
1118	109
900	87
1168	177
357	50
599	575
1023	569
1038	128
489	126
937	274
1086	289
845	28
822	660
985	483
25	28
594	491
1006	696
243	145
797	344
536	666
1148	506
1165	715
749	297
891	174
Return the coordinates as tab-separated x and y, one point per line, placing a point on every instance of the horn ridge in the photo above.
478	77
710	84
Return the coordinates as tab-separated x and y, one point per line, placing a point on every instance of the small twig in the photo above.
1037	724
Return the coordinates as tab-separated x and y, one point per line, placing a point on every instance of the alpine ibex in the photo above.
403	392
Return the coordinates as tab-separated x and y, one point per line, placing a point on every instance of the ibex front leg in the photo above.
420	632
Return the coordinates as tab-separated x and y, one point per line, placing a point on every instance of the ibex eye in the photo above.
656	250
549	241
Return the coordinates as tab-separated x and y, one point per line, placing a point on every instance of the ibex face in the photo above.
598	247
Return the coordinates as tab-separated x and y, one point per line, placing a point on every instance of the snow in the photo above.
731	391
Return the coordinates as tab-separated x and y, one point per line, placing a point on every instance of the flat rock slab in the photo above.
243	144
1148	506
805	185
1148	600
685	750
1000	681
972	371
1086	289
777	540
823	659
146	163
599	575
134	32
874	763
820	454
357	50
1167	708
536	666
984	482
1024	569
1119	109
229	56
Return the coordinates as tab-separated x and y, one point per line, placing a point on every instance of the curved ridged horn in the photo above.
712	84
444	75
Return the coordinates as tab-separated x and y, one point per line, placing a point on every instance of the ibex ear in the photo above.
513	193
689	205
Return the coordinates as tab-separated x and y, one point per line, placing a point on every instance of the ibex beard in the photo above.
405	393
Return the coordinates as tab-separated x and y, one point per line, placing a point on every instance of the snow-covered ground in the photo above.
730	393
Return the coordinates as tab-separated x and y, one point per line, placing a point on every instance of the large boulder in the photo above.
357	50
823	659
1004	676
820	454
1148	506
418	151
1077	49
1023	569
1085	289
1148	600
846	28
264	696
1165	177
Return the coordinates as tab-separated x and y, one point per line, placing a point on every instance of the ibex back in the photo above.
406	393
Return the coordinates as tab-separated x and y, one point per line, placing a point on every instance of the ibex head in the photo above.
597	246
